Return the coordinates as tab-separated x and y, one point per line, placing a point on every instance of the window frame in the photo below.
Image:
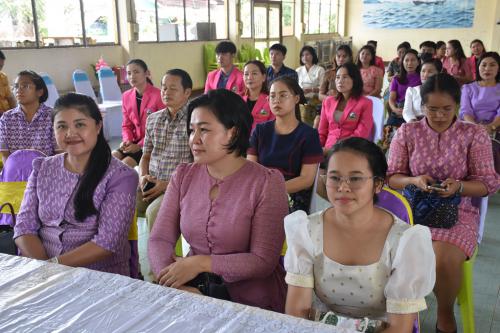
334	8
84	34
158	41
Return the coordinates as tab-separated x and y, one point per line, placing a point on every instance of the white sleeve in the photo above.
413	272
299	254
408	112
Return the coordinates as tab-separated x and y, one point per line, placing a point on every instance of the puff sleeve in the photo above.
299	255
413	272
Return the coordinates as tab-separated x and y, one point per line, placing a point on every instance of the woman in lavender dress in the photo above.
480	103
28	125
426	152
78	205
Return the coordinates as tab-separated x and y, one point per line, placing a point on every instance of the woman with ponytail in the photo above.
137	103
78	205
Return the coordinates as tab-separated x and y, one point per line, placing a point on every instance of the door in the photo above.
266	23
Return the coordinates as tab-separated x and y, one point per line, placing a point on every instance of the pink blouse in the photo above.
370	76
242	229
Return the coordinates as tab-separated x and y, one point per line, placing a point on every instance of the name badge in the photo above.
263	112
234	89
352	115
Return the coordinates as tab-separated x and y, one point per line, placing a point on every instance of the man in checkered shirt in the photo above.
166	143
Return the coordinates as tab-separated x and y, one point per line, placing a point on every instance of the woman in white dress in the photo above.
359	260
310	77
412	109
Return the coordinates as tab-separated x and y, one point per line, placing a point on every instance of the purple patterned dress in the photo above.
462	152
17	133
47	210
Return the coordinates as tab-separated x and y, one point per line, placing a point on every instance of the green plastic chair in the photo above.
466	294
267	57
209	59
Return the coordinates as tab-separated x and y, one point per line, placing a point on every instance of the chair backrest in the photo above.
82	84
396	204
19	165
53	94
378	118
110	91
482	204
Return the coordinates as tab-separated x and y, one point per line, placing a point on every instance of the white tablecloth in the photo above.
112	119
36	296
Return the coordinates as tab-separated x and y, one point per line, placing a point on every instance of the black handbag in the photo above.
430	209
210	284
7	244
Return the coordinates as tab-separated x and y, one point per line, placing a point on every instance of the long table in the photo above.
36	296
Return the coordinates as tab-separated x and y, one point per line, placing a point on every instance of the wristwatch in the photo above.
461	188
53	260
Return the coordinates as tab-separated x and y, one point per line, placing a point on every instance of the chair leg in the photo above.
466	297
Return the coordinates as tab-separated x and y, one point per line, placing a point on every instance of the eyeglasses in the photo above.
354	182
22	86
278	98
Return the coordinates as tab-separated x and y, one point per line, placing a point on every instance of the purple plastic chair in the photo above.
17	168
396	203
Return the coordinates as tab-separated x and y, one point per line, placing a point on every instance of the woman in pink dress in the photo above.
477	49
455	62
230	210
371	74
426	152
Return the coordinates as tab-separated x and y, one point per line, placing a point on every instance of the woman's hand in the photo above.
131	148
451	186
182	270
423	181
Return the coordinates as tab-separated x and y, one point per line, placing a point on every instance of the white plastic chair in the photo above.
82	84
53	94
378	118
110	91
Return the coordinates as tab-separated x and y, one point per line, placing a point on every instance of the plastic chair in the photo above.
82	84
53	94
15	173
466	293
110	91
378	119
209	58
267	57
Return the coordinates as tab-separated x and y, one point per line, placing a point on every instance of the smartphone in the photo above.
436	187
148	186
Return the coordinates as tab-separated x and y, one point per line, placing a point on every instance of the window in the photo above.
181	20
320	16
288	16
52	23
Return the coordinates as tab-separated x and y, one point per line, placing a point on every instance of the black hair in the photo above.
347	49
225	47
403	45
435	62
459	51
490	54
369	150
357	80
2	56
186	81
231	111
100	156
441	82
142	64
428	43
402	77
262	69
406	45
374	42
372	52
38	82
278	47
478	41
312	51
295	88
439	43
